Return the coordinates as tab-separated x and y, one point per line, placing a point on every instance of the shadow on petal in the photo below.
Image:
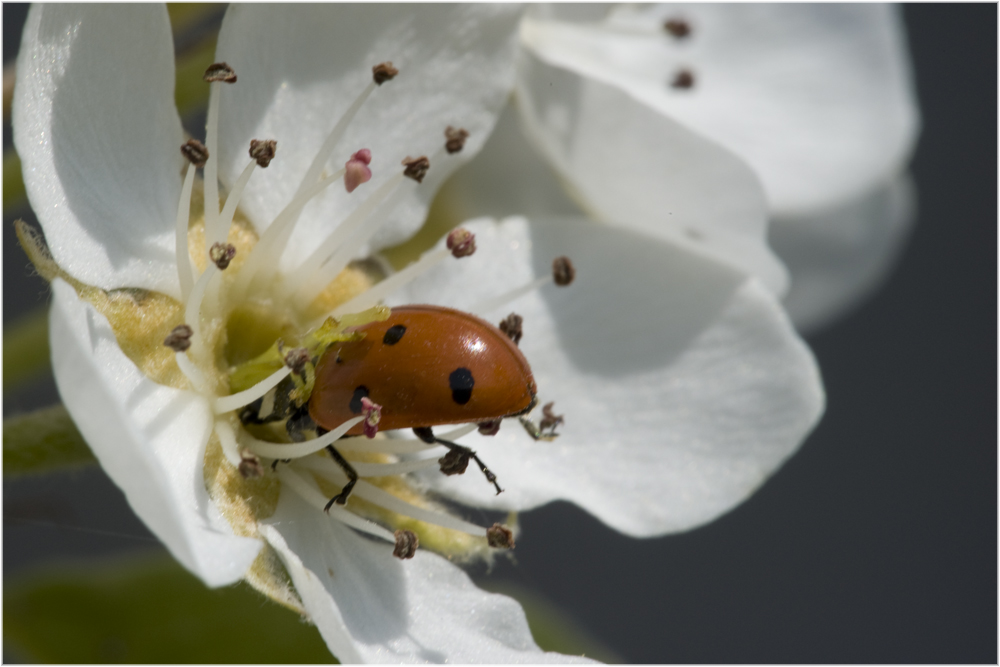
637	302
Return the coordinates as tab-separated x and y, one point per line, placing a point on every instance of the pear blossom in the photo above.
679	382
817	98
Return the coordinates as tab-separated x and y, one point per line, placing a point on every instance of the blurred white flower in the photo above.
683	384
816	98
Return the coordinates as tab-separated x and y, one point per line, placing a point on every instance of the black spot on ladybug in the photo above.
355	404
393	335
461	383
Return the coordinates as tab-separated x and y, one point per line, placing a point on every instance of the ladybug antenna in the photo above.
563	273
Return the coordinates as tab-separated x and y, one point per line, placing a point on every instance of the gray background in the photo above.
875	543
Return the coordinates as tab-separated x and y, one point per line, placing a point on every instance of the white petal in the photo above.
817	98
632	166
99	140
150	439
372	607
839	257
301	66
683	384
508	177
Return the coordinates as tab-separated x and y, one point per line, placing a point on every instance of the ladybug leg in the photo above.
456	461
352	479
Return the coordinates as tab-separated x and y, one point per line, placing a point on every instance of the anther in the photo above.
384	72
563	271
550	420
455	462
678	28
373	415
416	167
222	254
490	428
683	79
220	72
356	170
263	151
179	339
500	537
461	242
406	544
456	137
195	152
250	467
511	325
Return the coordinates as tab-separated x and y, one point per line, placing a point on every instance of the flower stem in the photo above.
26	348
42	441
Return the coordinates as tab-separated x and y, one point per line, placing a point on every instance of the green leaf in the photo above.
144	610
552	628
41	441
26	348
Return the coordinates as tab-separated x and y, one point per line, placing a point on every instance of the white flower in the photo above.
682	382
818	99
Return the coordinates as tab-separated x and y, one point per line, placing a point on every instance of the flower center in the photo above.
253	337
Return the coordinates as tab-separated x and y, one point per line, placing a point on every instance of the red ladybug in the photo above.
426	366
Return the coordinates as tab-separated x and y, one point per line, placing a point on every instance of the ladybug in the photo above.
426	366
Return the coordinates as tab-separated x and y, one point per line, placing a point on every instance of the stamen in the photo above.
297	450
677	27
490	428
192	312
416	167
384	72
550	420
250	467
357	171
227	438
373	415
455	462
455	139
387	469
216	74
392	283
683	79
195	152
406	544
461	242
312	495
382	498
179	340
384	446
323	154
222	254
312	276
267	251
219	72
184	270
191	372
263	151
563	273
236	401
511	325
500	537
